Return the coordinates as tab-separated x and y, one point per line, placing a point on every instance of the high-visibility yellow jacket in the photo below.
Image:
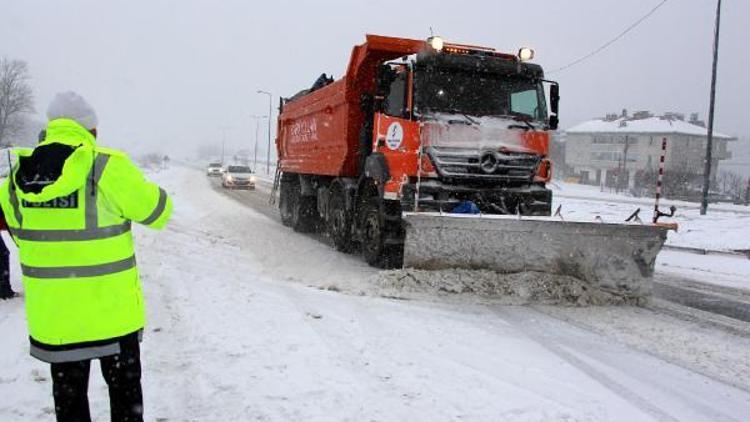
81	284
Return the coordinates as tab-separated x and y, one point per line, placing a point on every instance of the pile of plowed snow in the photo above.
512	289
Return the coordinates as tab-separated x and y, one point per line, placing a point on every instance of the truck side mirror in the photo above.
554	98
553	122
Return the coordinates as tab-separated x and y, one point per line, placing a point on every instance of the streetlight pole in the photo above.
223	143
257	128
710	137
223	130
268	152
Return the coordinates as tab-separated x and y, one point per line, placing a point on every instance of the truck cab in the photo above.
463	125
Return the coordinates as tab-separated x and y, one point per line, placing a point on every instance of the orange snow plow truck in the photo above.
414	156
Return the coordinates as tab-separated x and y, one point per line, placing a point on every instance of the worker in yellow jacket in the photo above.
69	204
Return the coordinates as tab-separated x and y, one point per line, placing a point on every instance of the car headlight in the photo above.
252	179
229	178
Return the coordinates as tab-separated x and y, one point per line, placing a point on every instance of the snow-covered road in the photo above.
250	321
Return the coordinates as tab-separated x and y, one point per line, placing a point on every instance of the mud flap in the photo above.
618	258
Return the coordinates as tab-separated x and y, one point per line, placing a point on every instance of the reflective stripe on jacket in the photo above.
76	249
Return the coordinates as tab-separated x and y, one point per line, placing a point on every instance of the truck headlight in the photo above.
525	54
436	43
252	179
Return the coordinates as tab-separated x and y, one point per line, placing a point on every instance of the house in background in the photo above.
613	150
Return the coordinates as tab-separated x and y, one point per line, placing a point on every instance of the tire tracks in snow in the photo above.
358	358
581	357
407	376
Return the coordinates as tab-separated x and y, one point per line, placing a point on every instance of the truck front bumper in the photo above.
440	197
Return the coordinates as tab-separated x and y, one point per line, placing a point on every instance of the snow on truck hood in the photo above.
480	133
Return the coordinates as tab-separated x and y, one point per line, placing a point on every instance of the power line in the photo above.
612	41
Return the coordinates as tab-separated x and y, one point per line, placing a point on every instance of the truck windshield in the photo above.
479	94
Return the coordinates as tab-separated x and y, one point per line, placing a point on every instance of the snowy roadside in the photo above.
726	271
235	333
580	191
726	230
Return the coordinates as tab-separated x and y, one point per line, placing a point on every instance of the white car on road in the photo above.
214	169
238	177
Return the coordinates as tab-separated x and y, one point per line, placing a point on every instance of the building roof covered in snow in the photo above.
650	124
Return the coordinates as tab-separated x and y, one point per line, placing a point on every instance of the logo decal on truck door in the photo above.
394	136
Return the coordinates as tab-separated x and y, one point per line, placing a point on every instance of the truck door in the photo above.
396	135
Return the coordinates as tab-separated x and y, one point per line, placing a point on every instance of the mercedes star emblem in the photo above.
488	162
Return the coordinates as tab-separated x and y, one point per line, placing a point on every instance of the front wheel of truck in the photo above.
377	247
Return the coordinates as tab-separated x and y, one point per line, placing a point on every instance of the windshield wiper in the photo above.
470	119
524	119
528	123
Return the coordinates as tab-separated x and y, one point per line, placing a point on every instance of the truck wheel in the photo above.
297	211
287	201
375	248
339	222
304	212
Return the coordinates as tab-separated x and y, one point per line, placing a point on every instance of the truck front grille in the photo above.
460	163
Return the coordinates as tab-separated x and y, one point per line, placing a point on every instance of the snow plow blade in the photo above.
617	258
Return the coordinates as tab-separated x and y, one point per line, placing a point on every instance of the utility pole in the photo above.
257	128
710	138
268	152
625	176
223	130
223	144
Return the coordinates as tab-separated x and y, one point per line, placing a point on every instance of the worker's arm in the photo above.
136	198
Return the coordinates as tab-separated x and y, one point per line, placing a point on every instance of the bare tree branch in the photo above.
16	97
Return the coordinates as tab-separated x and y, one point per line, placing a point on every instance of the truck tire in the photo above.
286	201
376	249
304	213
297	211
339	222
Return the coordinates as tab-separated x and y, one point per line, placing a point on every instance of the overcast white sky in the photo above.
167	75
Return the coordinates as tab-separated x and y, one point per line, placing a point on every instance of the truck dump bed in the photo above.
315	136
318	132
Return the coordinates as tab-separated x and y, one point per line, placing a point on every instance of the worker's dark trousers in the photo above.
5	289
122	373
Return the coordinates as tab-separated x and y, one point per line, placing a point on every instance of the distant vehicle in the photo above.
214	169
238	177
